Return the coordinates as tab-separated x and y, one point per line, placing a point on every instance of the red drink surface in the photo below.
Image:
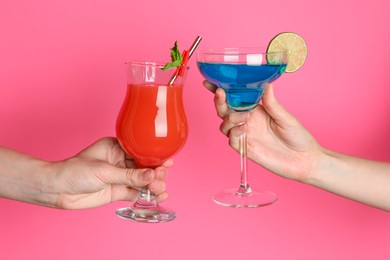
151	125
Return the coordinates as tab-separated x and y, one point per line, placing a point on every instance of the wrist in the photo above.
26	178
46	185
322	163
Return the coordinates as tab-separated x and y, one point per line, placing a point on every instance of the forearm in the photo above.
355	178
25	178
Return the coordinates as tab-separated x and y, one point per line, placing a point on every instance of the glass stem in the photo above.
244	184
145	199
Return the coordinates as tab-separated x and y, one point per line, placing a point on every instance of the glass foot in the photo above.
239	198
151	214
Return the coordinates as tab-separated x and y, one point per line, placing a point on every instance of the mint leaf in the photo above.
176	58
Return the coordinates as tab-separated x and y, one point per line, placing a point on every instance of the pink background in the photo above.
62	81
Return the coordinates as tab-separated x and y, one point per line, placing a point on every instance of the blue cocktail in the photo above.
243	73
243	83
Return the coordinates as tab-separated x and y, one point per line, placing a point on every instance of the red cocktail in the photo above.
151	127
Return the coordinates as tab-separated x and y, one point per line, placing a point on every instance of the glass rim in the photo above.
156	64
145	63
237	51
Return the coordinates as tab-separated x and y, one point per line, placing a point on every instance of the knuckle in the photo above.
130	175
224	129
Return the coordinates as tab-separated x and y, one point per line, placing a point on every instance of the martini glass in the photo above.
243	73
151	127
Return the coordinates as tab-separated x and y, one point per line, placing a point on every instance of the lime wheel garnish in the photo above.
295	47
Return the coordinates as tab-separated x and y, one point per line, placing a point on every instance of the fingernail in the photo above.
161	172
156	186
147	175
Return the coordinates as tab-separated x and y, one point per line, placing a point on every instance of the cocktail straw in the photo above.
191	51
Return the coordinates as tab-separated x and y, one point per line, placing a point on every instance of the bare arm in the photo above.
362	180
279	142
99	174
25	178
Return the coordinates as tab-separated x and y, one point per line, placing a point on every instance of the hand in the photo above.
279	142
276	139
103	173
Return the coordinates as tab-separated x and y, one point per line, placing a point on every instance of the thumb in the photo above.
274	108
220	103
131	177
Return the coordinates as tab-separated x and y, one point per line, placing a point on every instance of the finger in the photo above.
162	197
274	108
103	149
219	98
160	173
220	103
130	163
234	135
168	163
139	177
232	120
129	177
157	187
210	86
121	192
